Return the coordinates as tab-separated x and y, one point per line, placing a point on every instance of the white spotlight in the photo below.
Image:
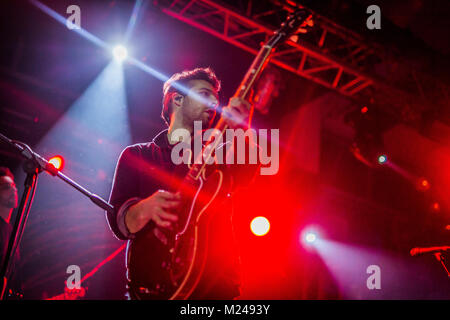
120	53
310	237
260	226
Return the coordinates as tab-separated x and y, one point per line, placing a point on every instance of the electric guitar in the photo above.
180	261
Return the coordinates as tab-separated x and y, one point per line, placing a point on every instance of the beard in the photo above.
207	121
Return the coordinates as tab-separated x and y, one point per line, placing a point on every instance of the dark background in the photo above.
45	68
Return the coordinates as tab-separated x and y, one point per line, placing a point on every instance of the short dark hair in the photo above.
180	80
5	172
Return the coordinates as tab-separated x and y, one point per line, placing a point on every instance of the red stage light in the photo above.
364	109
57	162
260	226
436	206
423	184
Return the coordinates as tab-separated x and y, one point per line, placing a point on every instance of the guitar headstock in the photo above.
299	21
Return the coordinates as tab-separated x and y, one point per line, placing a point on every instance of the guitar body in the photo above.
169	264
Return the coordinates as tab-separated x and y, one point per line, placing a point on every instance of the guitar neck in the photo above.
196	168
258	65
243	91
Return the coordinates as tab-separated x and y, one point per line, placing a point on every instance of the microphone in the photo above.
417	251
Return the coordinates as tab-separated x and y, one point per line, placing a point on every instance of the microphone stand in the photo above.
33	165
441	259
436	251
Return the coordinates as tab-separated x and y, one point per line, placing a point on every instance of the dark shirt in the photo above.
144	168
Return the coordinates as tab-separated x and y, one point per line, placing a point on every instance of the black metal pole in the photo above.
441	259
33	165
16	234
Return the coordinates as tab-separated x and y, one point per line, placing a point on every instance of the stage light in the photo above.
120	53
364	109
57	162
435	206
382	159
423	184
310	237
260	226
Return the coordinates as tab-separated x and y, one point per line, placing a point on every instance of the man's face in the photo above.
195	109
8	192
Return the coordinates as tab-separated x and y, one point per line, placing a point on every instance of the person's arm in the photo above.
132	213
154	208
124	192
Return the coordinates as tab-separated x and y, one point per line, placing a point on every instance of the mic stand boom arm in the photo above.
33	165
441	259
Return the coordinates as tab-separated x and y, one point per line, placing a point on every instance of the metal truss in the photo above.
312	60
329	55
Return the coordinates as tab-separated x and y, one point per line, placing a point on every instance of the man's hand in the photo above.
236	113
153	208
